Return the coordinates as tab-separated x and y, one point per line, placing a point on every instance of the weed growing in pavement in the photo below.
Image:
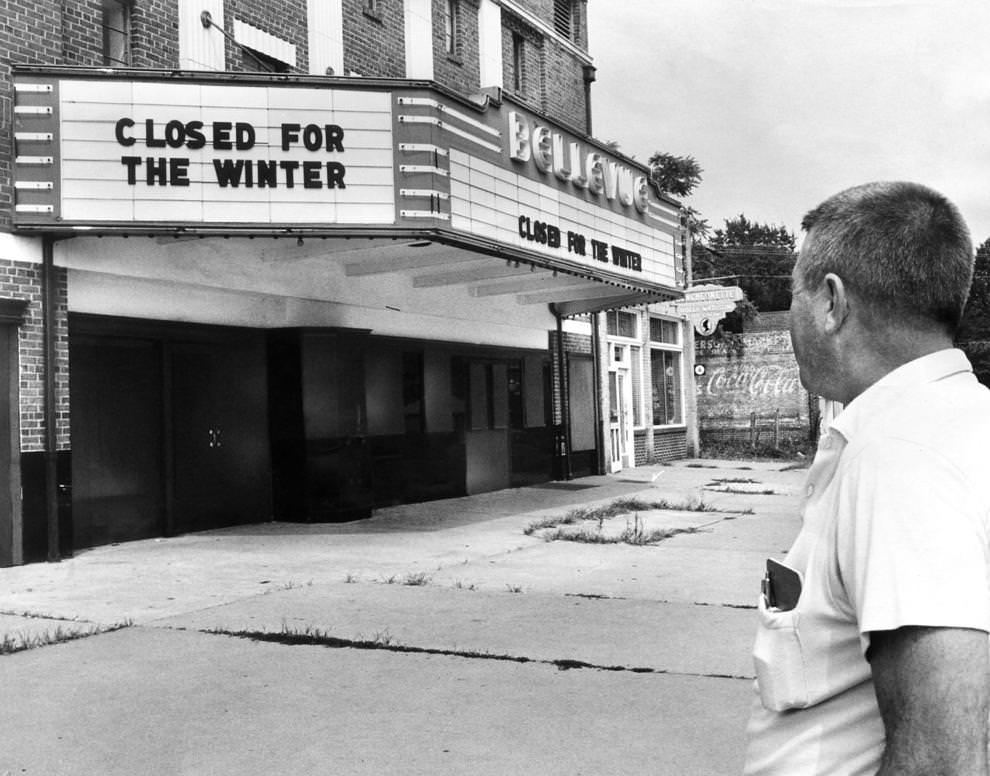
620	507
461	586
514	588
635	534
21	642
350	578
416	579
389	580
724	485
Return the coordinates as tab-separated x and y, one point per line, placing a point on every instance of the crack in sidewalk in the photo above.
319	639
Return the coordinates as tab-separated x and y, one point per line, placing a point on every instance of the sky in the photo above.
785	102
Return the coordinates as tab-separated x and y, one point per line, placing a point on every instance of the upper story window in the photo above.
373	8
621	324
258	62
116	24
564	18
518	63
664	332
451	26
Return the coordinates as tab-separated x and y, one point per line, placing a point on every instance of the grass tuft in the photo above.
18	642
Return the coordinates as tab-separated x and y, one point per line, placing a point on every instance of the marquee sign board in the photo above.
145	151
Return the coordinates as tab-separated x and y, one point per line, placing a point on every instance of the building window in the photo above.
373	9
636	363
666	332
451	26
620	324
255	61
116	33
666	374
518	63
563	18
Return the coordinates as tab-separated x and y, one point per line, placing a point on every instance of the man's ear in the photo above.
837	301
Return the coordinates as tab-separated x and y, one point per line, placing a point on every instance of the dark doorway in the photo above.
118	492
170	429
9	445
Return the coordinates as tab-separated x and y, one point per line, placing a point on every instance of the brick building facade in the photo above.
200	370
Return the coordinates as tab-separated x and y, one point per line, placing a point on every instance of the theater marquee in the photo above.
157	152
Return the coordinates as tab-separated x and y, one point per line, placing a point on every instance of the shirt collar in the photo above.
920	371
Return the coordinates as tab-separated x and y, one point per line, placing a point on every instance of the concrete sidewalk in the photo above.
432	638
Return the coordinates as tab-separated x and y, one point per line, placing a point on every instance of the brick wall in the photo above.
82	33
21	280
30	32
460	71
374	43
563	86
750	391
553	79
573	343
532	65
543	9
155	33
669	445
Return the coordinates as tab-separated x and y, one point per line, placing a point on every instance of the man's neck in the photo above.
870	363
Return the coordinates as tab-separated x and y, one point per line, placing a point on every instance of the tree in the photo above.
679	176
757	257
974	331
976	317
741	232
674	175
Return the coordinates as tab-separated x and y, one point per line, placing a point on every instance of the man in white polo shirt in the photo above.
872	653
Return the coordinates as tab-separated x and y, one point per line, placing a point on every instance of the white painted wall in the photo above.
266	283
490	43
325	21
14	247
419	39
201	48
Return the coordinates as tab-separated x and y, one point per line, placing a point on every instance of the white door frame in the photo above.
620	421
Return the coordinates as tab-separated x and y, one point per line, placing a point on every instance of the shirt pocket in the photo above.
781	674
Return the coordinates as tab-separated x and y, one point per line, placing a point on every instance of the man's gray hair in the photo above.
901	247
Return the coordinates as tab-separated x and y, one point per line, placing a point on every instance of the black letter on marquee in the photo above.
155	171
175	133
119	132
267	174
194	133
290	134
245	136
149	135
335	175
311	175
131	162
221	135
290	169
228	172
335	138
178	171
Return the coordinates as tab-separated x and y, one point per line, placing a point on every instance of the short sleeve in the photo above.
912	541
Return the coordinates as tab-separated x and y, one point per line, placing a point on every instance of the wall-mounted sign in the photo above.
704	306
126	151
